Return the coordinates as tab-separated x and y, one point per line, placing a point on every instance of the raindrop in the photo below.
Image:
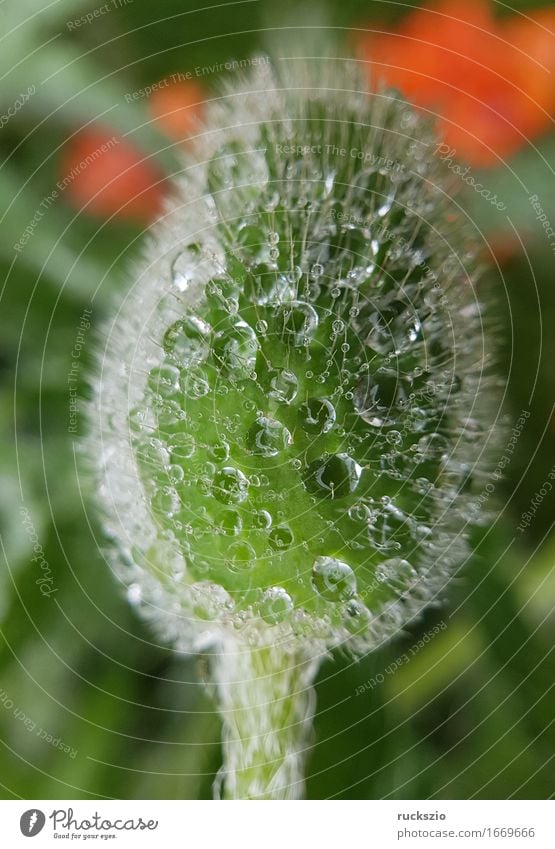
230	486
237	348
317	415
336	476
219	452
152	453
165	502
231	523
194	384
357	616
262	519
283	386
395	572
241	556
188	341
182	446
267	437
134	594
276	604
300	320
378	397
281	537
333	579
175	474
141	419
164	379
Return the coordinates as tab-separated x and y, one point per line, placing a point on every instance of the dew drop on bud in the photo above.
182	446
276	605
164	379
230	486
333	579
300	321
236	348
267	437
335	477
317	415
281	537
188	341
241	556
231	523
283	386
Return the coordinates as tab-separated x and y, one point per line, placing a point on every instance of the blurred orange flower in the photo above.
176	107
109	176
491	81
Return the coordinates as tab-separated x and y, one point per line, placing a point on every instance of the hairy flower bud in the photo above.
287	411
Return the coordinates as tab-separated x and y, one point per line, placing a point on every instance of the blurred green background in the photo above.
90	705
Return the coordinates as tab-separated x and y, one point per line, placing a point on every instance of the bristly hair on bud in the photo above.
291	404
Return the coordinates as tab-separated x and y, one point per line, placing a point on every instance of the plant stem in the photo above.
266	701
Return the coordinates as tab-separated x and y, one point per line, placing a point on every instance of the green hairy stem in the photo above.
266	700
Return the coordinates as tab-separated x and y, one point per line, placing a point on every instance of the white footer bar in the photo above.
279	825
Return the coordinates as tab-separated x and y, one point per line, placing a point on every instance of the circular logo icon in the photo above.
32	822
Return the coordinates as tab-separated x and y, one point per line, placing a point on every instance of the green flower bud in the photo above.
288	406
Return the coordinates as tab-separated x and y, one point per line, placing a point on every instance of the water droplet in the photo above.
281	537
141	419
224	169
283	386
267	437
237	348
241	556
359	513
262	519
164	379
394	437
175	474
231	523
336	477
188	341
191	265
389	527
333	579
165	502
182	446
168	412
275	605
395	572
194	384
219	452
395	328
300	321
317	415
152	454
230	486
357	616
378	397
